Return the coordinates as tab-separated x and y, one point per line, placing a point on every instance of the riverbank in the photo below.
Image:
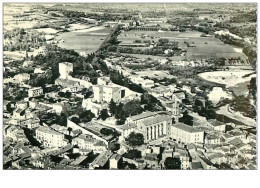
225	110
227	78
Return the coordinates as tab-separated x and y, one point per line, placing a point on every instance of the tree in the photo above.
186	119
172	163
103	114
198	102
113	40
84	115
173	120
112	107
120	114
132	108
69	129
242	104
112	48
150	102
133	154
121	121
106	131
224	166
75	119
114	146
62	119
126	165
135	139
9	107
61	94
253	87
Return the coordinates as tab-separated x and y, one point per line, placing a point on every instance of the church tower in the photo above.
176	108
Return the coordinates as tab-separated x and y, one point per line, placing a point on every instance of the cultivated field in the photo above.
86	40
201	47
155	74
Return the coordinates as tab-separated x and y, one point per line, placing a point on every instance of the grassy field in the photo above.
155	74
87	40
203	47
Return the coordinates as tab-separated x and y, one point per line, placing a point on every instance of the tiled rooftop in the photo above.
142	115
186	128
48	130
156	119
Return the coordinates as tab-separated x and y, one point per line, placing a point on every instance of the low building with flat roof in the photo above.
101	161
35	92
115	161
217	125
187	134
89	143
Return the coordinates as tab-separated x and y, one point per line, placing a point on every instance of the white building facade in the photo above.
64	69
186	134
49	137
106	93
35	92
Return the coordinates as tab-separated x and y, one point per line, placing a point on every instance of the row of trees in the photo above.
104	17
157	51
169	163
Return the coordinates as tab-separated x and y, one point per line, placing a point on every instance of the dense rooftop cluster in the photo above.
132	90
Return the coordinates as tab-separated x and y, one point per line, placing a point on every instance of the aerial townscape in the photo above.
129	86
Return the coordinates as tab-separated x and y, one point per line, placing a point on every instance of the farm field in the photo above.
49	31
86	40
155	74
202	47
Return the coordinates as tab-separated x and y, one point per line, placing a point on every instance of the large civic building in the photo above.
152	125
